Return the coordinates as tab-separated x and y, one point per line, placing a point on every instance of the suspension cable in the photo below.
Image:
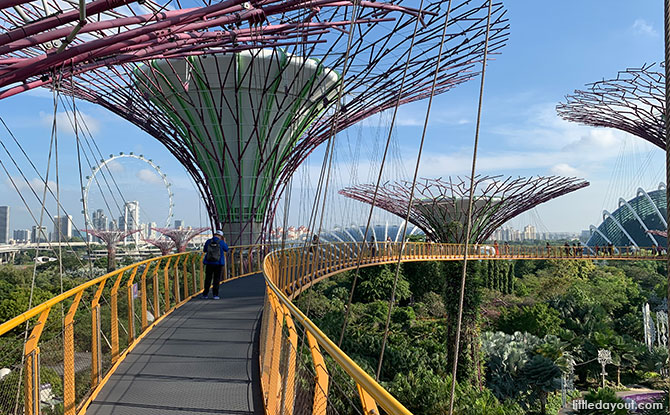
328	156
469	219
379	177
403	242
58	214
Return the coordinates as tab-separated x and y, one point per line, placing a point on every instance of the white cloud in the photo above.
642	27
115	167
65	122
35	183
149	176
564	169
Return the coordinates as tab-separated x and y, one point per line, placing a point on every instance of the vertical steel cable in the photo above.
58	214
666	11
403	243
328	156
379	176
81	180
469	219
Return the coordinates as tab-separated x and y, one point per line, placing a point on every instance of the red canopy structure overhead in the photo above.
189	77
633	102
440	207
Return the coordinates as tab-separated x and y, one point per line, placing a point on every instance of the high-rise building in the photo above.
529	232
38	234
62	228
4	224
150	233
178	223
99	220
113	225
131	220
21	235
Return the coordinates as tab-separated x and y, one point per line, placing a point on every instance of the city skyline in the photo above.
521	134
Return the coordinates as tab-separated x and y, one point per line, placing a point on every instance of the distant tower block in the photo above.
181	237
440	207
239	114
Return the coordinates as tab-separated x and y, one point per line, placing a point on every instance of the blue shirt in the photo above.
222	246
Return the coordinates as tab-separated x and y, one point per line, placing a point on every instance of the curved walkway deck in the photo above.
201	359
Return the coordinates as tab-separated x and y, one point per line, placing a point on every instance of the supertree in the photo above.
180	237
242	96
440	209
164	244
111	238
440	206
633	102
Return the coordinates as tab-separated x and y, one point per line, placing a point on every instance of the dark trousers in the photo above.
212	277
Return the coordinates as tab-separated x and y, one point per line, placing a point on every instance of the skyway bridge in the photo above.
139	341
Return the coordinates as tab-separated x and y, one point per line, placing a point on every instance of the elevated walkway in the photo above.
201	359
150	348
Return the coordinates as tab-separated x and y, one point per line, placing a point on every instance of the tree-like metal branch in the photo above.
165	245
633	102
111	238
440	206
180	237
252	101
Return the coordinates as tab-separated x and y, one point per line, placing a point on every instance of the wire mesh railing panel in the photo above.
325	380
76	338
11	374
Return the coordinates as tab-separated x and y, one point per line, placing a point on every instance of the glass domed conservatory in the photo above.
631	222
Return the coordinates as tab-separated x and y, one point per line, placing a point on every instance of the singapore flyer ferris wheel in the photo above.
101	176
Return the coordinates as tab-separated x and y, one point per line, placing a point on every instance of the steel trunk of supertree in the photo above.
269	76
239	114
440	206
111	238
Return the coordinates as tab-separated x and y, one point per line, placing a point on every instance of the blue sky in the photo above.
554	47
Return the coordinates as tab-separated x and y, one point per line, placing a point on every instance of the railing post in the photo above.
321	388
175	283
157	309
69	395
185	276
369	404
32	366
225	270
202	271
194	258
288	379
96	350
166	284
241	262
273	389
269	328
115	317
143	296
131	305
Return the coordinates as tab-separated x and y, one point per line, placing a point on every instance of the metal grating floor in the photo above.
201	359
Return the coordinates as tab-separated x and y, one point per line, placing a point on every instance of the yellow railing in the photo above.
287	376
61	344
83	352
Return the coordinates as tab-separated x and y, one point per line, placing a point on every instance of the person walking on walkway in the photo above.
214	260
